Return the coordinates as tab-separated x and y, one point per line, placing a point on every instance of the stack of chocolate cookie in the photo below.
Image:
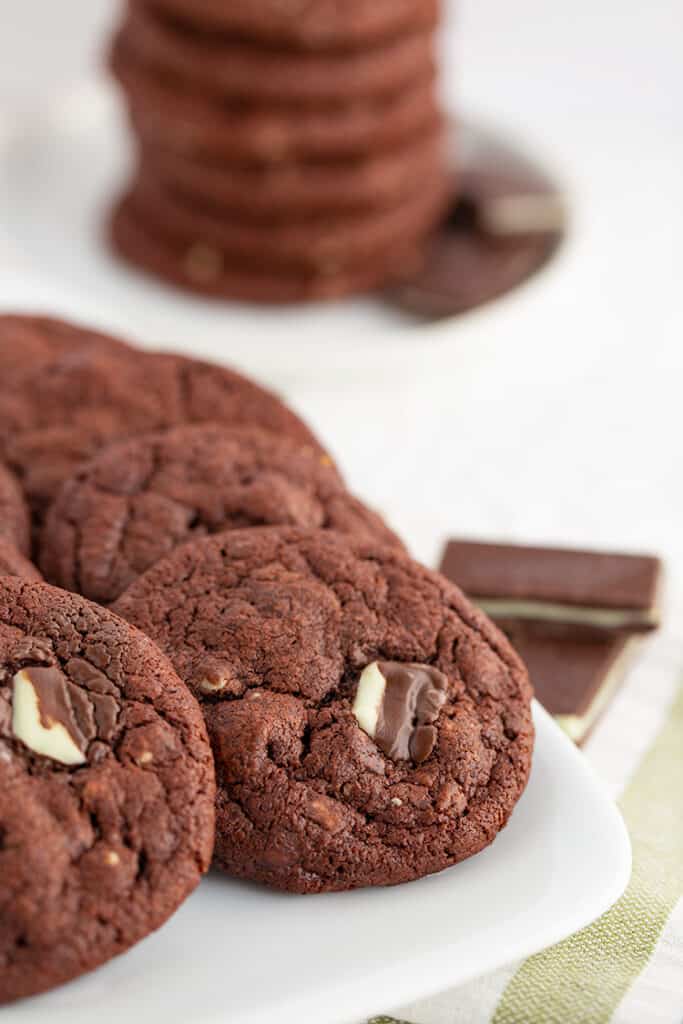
308	702
285	151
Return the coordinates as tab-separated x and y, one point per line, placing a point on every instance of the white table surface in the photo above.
556	415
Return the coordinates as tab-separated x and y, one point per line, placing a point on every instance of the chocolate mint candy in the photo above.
397	705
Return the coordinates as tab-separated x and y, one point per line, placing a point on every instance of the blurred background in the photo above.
552	415
532	63
614	61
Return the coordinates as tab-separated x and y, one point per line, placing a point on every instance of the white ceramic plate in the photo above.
241	954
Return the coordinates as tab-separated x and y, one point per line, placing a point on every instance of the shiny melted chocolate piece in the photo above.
413	697
56	704
79	703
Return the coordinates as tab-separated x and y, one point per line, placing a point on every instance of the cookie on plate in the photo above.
369	725
15	526
28	341
139	499
54	416
107	788
304	23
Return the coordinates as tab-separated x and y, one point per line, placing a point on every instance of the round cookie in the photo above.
56	416
13	563
140	499
235	69
106	788
309	244
15	525
27	342
369	725
298	189
168	115
302	23
205	270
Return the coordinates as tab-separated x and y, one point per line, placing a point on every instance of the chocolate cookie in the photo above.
15	526
205	270
304	23
298	189
28	342
169	115
235	69
369	725
313	243
106	788
141	498
56	416
13	563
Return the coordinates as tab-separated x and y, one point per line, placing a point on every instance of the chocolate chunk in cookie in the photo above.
276	631
106	788
398	705
141	498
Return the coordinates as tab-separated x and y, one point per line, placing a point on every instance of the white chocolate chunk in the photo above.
52	741
209	686
369	697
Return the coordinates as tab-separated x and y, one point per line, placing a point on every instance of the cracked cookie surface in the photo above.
55	415
272	629
106	788
141	498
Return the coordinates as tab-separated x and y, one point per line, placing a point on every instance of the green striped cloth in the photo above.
627	967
